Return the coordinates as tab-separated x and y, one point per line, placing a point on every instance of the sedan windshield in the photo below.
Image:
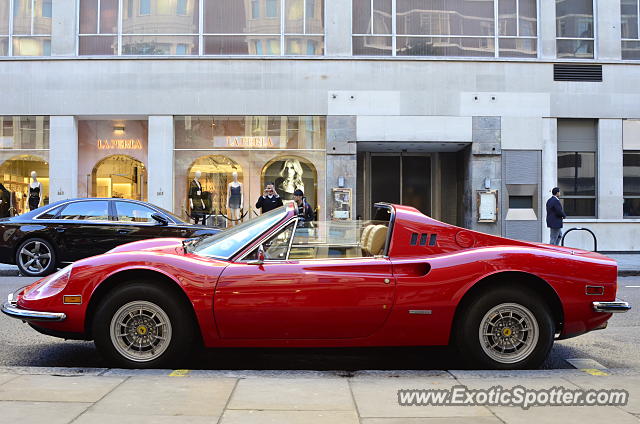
226	243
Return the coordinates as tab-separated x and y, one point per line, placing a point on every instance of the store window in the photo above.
112	156
630	11
466	28
575	33
24	167
577	166
233	157
25	27
631	183
177	27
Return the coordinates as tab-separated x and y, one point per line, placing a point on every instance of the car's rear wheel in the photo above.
36	257
141	325
506	328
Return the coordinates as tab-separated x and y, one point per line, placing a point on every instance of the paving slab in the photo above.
96	418
4	378
19	412
563	414
150	396
289	417
51	388
628	383
452	420
378	398
292	394
508	383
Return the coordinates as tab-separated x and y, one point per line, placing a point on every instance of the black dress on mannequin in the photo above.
34	197
195	194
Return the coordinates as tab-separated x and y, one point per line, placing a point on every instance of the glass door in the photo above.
401	178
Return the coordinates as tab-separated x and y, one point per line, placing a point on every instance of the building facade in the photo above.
471	111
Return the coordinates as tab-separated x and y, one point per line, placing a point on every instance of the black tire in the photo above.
178	330
36	257
520	348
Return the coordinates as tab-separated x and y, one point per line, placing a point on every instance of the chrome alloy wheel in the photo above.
508	333
140	331
34	257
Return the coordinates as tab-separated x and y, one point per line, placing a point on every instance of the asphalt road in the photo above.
614	347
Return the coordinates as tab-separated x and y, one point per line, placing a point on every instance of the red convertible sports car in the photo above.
402	279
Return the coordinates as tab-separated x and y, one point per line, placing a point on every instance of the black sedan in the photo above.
42	240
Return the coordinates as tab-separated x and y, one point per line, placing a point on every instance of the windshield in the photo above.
224	244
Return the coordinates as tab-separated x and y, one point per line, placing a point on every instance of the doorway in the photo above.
119	176
402	178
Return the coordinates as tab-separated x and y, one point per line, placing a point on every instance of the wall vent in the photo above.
577	72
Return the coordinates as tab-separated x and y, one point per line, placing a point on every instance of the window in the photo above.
574	29
520	202
50	214
631	183
255	9
276	248
92	210
133	212
145	7
466	28
577	166
31	27
630	11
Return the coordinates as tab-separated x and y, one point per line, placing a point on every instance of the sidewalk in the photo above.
64	395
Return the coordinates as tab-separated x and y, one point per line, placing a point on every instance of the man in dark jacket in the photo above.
269	199
305	212
555	215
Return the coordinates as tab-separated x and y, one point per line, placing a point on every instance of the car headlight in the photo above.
49	285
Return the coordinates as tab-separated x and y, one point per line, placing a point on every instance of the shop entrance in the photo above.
119	176
402	178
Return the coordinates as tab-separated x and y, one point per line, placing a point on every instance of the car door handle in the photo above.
387	281
124	231
60	229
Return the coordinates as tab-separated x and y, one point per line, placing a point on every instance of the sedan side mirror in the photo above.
160	219
261	256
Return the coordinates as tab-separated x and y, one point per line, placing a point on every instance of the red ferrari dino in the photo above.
402	279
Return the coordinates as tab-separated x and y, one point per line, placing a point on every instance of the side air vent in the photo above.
577	72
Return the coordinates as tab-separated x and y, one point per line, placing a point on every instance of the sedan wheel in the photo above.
505	328
35	257
143	325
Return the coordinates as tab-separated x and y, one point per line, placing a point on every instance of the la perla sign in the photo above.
119	144
246	142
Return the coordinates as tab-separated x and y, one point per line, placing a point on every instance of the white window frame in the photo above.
201	34
496	31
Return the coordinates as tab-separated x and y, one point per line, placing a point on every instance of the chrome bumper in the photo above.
11	309
611	307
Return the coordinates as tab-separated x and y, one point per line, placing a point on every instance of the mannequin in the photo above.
35	194
196	202
235	199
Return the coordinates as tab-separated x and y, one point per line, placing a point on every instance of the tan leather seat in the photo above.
377	238
364	240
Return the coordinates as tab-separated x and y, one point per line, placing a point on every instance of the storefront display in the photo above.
24	153
112	156
238	155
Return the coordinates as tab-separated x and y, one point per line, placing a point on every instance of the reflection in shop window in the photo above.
433	28
574	28
157	27
630	29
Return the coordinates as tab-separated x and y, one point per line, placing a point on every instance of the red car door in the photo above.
304	299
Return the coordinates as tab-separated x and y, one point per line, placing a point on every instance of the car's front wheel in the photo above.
36	257
141	325
506	328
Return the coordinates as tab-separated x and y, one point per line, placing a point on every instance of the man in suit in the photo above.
555	215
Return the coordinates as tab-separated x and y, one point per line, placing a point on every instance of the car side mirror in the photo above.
260	259
160	219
